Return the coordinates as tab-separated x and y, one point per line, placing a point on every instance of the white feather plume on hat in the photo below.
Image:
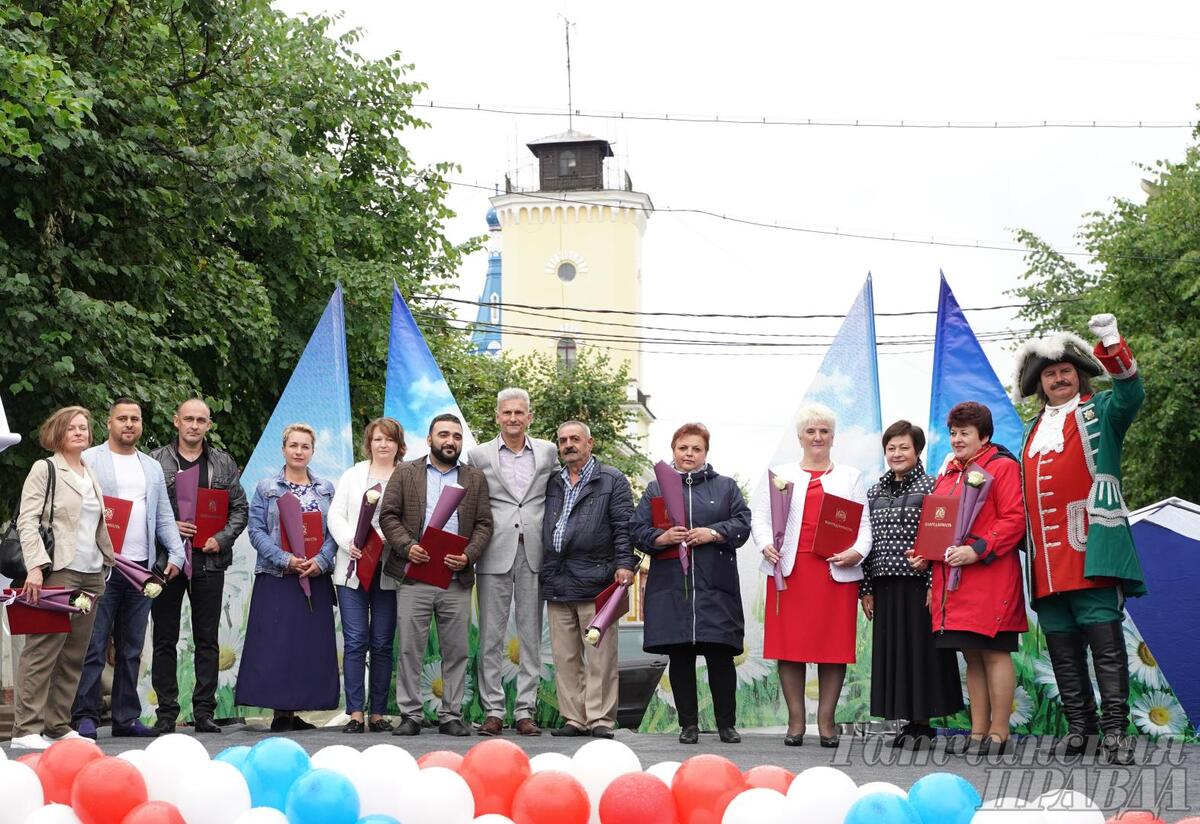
1035	355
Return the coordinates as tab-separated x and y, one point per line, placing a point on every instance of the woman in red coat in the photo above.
978	602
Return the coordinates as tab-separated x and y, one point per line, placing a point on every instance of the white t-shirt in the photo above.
87	554
131	485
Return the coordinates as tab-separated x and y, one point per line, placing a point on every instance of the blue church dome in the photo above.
493	221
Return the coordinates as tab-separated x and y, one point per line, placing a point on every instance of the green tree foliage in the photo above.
182	183
1148	275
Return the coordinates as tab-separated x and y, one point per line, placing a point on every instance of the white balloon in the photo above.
376	786
53	814
1008	811
1068	807
135	757
169	762
215	794
597	763
435	796
551	761
3	755
822	795
337	757
665	770
21	790
494	818
261	815
879	787
397	759
758	805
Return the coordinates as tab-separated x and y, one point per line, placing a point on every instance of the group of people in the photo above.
548	524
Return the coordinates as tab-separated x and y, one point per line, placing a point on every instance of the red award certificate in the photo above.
837	525
935	531
658	514
314	535
438	543
212	514
116	518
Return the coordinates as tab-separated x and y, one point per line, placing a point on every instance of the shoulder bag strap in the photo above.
49	496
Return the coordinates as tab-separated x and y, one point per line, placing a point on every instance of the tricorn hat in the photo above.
1035	355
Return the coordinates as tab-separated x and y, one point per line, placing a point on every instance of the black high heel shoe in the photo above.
796	740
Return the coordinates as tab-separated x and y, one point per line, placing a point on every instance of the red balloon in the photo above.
703	787
59	765
637	798
154	812
106	790
30	760
495	770
1135	817
441	758
551	797
770	777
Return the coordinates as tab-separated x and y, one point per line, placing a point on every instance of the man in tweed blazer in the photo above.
411	495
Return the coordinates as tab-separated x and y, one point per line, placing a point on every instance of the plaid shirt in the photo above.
570	494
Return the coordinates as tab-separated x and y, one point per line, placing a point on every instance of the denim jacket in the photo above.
264	525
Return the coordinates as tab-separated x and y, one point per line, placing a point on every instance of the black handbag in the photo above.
12	559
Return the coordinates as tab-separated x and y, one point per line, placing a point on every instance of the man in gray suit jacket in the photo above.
517	468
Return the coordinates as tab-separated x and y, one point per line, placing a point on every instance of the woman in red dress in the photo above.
815	618
982	614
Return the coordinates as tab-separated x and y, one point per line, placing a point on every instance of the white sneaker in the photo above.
33	741
70	734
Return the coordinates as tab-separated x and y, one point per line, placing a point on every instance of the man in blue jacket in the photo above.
586	546
123	611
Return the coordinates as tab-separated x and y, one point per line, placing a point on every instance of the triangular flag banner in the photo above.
416	391
318	394
7	436
961	372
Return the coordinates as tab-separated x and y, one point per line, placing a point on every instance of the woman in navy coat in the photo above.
701	615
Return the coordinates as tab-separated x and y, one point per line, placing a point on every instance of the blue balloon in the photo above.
322	797
233	755
944	798
882	808
378	818
271	768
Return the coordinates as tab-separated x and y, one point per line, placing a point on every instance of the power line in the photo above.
812	122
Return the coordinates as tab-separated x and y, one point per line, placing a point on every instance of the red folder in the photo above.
314	535
658	513
116	518
837	525
212	514
369	562
603	597
26	620
438	543
935	531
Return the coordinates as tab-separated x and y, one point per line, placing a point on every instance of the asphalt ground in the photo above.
1166	780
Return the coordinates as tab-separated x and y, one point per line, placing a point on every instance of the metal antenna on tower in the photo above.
570	105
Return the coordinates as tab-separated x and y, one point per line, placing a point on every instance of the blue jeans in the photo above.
367	615
123	612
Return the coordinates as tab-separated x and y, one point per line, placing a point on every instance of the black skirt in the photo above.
910	677
953	639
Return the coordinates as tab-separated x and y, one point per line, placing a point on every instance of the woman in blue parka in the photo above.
700	613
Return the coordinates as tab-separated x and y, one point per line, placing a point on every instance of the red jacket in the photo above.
990	597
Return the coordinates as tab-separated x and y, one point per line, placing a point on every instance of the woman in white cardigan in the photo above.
815	618
368	616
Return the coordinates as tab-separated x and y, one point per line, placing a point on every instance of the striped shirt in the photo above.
570	495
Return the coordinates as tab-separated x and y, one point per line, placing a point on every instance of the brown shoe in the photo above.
526	727
491	726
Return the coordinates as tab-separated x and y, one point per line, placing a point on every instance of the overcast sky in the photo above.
1017	61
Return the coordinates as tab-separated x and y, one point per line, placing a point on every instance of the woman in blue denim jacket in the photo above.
289	660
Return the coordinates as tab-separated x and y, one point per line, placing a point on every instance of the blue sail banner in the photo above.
318	394
961	372
416	391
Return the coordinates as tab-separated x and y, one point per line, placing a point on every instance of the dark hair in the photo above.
691	429
124	400
901	428
1085	385
445	416
389	428
970	413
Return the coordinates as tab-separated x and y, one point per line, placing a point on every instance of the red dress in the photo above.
817	619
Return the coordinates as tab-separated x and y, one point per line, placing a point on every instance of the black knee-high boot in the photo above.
1112	674
1068	656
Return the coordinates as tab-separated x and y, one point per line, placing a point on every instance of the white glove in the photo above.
1105	328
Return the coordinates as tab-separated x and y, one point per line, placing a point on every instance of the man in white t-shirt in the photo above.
123	611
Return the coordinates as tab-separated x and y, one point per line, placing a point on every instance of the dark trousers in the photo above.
204	595
121	613
722	682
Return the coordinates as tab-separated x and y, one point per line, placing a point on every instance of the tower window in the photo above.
494	300
567	165
566	271
566	353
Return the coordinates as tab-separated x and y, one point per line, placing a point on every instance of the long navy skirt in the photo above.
289	659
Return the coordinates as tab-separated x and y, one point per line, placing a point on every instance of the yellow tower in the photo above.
575	241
